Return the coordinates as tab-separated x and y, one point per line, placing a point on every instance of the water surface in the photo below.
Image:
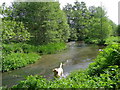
77	56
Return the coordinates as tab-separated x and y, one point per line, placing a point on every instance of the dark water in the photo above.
77	56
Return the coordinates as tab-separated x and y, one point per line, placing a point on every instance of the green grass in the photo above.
51	48
103	73
27	48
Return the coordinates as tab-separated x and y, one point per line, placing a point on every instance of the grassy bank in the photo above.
103	73
18	55
27	48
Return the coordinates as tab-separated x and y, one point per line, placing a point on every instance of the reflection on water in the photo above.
75	57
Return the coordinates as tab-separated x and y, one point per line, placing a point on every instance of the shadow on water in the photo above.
75	57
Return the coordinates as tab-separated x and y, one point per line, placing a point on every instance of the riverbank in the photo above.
17	55
103	73
74	57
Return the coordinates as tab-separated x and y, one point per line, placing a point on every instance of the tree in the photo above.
118	30
6	12
99	28
78	19
45	21
68	9
13	31
114	27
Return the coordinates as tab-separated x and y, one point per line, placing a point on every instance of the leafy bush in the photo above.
14	31
109	56
33	82
92	41
12	48
112	40
16	60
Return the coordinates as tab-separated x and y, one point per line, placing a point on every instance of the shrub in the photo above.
112	40
17	60
27	48
13	31
18	48
33	82
108	57
51	48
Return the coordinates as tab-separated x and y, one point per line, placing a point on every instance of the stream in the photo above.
76	56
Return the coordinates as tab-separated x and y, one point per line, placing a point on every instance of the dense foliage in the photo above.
106	64
118	30
112	40
20	54
78	19
16	60
88	24
45	21
109	57
13	31
27	48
